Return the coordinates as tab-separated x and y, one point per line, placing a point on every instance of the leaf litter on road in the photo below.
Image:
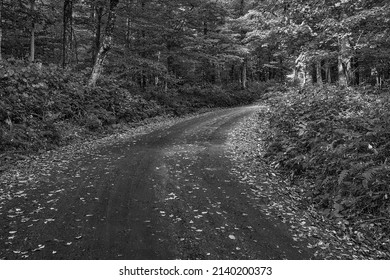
21	185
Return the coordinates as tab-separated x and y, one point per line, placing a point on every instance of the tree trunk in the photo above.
344	62
342	76
67	35
75	53
129	5
242	7
244	74
218	73
281	71
32	42
92	20
98	31
361	72
143	53
327	72
231	73
1	27
295	76
302	70
106	44
319	75
156	78
308	80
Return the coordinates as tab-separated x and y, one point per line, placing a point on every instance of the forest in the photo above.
75	69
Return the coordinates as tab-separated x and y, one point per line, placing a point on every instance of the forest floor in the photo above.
188	188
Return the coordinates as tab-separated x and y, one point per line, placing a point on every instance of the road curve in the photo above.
169	194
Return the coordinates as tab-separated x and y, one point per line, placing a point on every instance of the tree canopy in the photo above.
163	43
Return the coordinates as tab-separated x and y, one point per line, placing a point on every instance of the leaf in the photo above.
338	207
342	176
368	174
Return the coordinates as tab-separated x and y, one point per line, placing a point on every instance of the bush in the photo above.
38	102
339	139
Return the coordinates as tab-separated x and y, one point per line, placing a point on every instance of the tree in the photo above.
97	7
165	44
1	28
32	30
106	44
67	37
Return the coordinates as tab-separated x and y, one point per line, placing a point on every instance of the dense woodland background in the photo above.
162	43
73	67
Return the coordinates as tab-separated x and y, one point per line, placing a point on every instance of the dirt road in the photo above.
168	194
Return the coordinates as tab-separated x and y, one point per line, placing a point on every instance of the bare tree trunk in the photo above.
67	35
244	74
32	42
342	76
1	27
242	7
344	62
327	72
319	75
75	48
98	31
92	20
106	44
308	80
218	73
362	74
143	53
281	72
156	78
129	5
301	69
231	73
295	76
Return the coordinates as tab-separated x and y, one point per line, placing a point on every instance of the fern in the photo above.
343	175
368	174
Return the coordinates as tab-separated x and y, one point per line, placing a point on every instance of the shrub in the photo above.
339	139
37	101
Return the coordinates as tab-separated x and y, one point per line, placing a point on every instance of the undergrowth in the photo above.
42	107
336	143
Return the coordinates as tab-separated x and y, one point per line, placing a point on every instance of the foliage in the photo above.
338	140
37	102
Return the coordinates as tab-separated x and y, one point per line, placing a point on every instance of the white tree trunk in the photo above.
106	44
302	70
344	62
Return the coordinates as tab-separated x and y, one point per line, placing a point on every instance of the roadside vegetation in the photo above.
335	144
43	107
73	70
